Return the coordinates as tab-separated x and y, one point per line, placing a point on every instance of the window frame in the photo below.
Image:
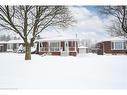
57	47
113	45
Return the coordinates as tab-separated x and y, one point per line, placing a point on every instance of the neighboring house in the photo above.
10	46
3	46
116	45
58	46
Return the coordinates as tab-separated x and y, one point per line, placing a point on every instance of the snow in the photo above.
1	42
15	41
12	41
51	72
33	49
58	38
119	38
82	47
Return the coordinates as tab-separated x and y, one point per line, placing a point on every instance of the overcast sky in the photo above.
89	23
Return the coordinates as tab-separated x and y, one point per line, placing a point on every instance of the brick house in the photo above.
116	45
57	46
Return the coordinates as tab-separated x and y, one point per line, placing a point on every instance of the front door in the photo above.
1	48
66	46
65	51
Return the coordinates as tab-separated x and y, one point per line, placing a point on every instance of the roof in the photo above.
12	41
120	38
58	38
2	42
16	41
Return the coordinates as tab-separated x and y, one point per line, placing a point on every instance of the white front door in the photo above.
65	51
66	46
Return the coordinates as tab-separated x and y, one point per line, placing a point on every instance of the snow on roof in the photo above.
120	38
15	41
12	41
2	42
58	38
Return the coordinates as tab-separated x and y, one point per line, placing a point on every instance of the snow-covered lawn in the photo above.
89	71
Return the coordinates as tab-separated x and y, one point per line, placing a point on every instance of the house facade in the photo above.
117	45
58	46
10	46
3	46
61	45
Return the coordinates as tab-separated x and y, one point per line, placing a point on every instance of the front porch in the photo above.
58	51
61	48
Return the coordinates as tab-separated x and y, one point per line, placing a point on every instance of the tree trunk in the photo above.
27	51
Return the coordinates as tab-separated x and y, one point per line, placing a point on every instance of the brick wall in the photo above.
106	46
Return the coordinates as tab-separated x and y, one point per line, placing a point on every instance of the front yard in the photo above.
89	71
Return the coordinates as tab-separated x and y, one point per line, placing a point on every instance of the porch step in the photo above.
64	53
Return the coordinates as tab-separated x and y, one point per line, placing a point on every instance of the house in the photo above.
58	45
10	46
62	45
116	45
3	46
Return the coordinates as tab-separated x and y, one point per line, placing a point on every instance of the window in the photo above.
118	45
44	46
54	46
9	46
71	44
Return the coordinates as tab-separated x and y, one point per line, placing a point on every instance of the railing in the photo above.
71	48
56	49
52	49
44	49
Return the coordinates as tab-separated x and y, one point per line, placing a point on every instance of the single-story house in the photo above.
58	45
116	45
10	46
62	45
3	46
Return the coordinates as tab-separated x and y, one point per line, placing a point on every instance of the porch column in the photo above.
49	46
67	46
17	46
75	46
60	46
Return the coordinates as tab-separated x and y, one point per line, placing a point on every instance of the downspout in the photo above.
103	48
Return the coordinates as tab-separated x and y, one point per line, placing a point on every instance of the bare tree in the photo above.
115	29
30	21
119	24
